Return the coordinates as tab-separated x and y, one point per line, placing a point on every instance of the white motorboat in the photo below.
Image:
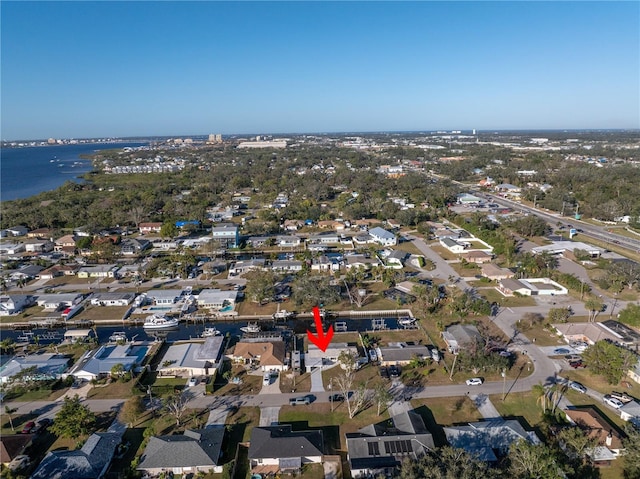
284	314
407	320
209	332
159	321
118	337
251	328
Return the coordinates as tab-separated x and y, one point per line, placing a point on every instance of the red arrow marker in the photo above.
320	340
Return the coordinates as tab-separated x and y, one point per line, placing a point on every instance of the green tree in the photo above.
446	463
131	411
594	306
609	360
74	419
529	461
9	412
168	230
630	315
558	315
117	370
631	458
260	285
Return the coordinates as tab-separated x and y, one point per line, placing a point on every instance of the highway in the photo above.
587	229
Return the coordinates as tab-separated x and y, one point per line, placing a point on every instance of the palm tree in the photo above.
594	306
541	393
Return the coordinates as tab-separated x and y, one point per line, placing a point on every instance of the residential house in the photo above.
89	462
394	259
98	271
7	248
147	228
58	270
112	299
186	359
39	246
587	332
631	412
40	233
383	237
134	246
164	297
97	364
326	263
65	244
195	450
47	366
242	267
323	238
217	299
259	241
568	249
379	449
292	225
401	354
285	265
288	241
452	245
226	235
495	273
531	287
279	449
315	358
489	440
270	356
17	230
15	303
477	256
607	437
26	273
508	189
360	261
12	445
458	336
56	301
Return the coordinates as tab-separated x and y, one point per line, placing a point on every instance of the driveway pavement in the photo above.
269	416
485	406
316	381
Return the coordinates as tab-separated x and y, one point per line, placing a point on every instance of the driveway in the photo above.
269	416
316	381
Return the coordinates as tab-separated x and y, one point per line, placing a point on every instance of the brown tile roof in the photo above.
596	426
269	353
13	445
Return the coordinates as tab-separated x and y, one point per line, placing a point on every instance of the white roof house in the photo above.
164	296
193	358
54	301
216	299
48	366
112	299
98	363
315	358
382	236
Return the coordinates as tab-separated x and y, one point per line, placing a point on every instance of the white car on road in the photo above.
613	402
474	382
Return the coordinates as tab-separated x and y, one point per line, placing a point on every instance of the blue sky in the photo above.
85	69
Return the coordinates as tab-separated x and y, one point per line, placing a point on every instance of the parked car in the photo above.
302	400
622	397
573	357
266	379
28	427
561	351
474	382
41	425
613	402
336	397
19	462
394	371
384	372
576	386
192	382
577	364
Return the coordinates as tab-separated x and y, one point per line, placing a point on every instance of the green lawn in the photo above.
516	405
492	294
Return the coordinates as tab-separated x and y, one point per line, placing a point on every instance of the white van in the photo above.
266	380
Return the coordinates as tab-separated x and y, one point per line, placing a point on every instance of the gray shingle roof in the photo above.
282	442
200	447
88	462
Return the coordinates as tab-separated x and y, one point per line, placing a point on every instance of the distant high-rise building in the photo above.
474	131
215	138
